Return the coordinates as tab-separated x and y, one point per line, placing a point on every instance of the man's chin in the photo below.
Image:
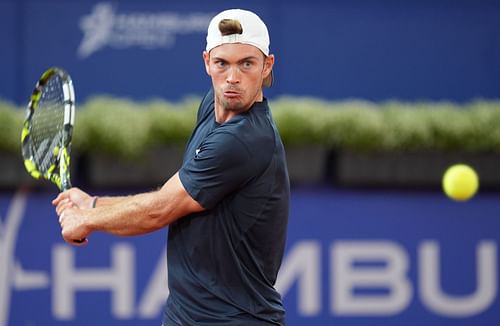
233	105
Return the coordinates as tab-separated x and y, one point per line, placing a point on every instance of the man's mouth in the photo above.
231	93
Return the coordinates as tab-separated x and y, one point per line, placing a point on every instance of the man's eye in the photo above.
220	64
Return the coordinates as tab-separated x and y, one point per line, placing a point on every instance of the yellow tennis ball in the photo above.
460	182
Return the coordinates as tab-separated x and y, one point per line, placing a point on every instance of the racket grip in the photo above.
65	184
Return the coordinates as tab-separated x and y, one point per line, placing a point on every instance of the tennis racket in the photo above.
48	128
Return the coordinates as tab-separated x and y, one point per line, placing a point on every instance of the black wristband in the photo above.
94	201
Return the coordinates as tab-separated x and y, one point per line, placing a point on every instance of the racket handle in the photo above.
65	184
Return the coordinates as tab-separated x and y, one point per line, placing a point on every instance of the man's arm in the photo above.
124	216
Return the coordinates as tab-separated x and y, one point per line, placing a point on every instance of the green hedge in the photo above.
127	128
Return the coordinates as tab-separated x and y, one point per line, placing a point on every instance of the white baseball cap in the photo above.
254	33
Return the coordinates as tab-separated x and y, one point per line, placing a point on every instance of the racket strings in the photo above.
47	124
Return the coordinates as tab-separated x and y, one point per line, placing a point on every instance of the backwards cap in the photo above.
254	33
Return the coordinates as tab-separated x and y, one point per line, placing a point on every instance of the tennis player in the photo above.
227	206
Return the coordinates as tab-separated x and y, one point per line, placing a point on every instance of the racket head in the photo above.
48	128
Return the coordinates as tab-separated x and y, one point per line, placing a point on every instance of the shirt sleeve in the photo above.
221	165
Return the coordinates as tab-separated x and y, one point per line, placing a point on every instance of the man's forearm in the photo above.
142	213
101	201
127	215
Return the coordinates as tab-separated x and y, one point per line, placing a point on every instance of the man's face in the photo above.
237	72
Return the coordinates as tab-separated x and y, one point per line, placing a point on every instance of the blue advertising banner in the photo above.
352	258
130	49
411	50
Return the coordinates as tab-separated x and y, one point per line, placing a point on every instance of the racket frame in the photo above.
58	172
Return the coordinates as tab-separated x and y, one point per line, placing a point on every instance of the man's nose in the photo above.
233	75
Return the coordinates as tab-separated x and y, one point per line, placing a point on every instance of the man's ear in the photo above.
268	64
206	60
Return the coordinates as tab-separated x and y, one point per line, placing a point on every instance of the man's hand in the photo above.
74	229
70	207
72	197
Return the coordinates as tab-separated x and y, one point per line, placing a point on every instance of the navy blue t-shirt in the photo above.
223	262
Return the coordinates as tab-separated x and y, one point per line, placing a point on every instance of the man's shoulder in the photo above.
245	137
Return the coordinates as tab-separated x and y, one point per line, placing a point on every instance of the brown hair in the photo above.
230	26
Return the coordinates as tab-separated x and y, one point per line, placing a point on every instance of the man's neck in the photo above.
223	115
